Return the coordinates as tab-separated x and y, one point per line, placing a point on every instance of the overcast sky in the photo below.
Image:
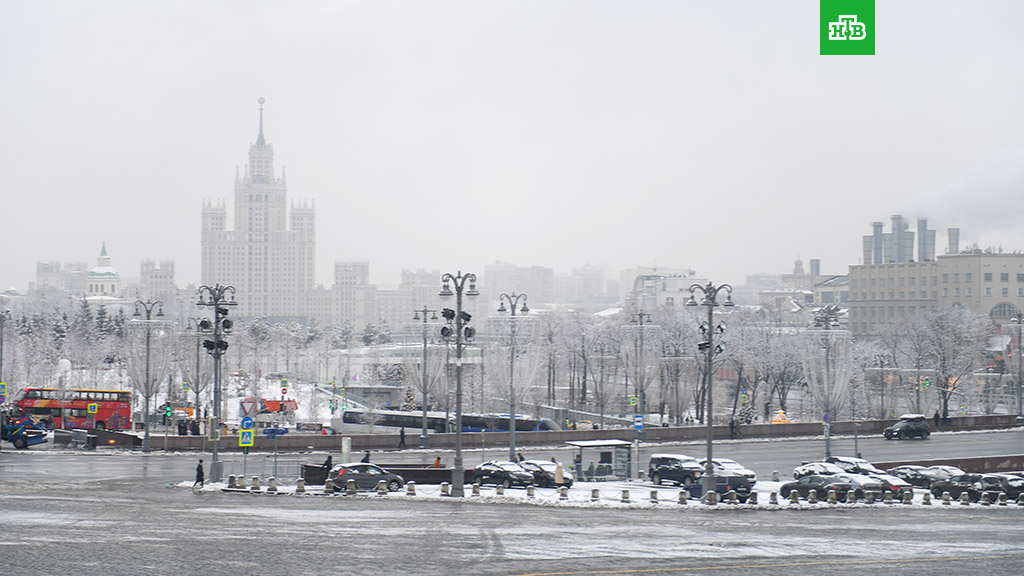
451	135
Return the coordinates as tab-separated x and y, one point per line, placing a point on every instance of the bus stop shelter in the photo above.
599	460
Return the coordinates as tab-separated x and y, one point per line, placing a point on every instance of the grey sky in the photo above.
453	134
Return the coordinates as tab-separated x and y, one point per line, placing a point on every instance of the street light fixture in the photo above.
461	319
216	297
639	378
826	318
147	389
424	440
513	304
200	325
710	299
1018	319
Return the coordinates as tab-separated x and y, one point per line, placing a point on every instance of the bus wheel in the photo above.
20	443
101	426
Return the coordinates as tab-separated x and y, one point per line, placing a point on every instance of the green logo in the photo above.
847	27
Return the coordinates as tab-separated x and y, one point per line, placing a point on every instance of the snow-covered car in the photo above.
507	474
862	484
854	465
817	468
894	484
544	472
728	467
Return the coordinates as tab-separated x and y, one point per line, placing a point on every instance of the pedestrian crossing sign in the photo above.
92	408
245	437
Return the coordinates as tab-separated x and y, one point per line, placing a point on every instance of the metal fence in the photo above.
265	466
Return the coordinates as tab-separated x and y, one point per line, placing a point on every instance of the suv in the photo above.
910	425
725	484
678	468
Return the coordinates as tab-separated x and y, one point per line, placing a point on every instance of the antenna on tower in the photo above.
259	141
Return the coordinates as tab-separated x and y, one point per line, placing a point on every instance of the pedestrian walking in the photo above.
366	457
935	418
328	463
559	475
732	428
519	457
199	474
401	438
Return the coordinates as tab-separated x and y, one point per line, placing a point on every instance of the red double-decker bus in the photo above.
100	409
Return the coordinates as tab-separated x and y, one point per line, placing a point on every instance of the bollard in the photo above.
530	491
752	499
887	498
231	481
773	498
965	499
851	497
794	497
812	497
300	486
272	484
946	499
832	497
445	489
1002	498
595	495
1020	499
410	489
328	486
731	497
711	498
908	497
986	500
500	490
775	475
684	495
563	493
382	488
625	497
926	500
350	487
240	482
654	497
476	489
869	498
255	483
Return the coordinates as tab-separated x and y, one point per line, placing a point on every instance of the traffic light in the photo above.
167	413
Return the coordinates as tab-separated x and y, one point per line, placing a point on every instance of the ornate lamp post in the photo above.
513	304
710	299
216	297
424	440
640	378
200	325
460	318
825	319
1018	319
4	317
147	389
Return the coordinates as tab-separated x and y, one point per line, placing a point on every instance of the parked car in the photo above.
940	472
894	485
544	473
909	426
727	467
821	484
973	484
507	474
677	468
1012	484
910	473
817	468
366	476
854	465
724	484
862	484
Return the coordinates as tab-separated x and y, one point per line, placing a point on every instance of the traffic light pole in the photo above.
216	298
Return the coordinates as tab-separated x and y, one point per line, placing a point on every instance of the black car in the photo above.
723	485
678	468
820	484
366	477
977	484
909	426
507	474
924	476
545	473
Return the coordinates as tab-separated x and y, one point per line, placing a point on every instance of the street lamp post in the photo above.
4	317
216	297
148	306
460	318
826	318
424	439
1018	319
513	304
200	325
710	299
639	379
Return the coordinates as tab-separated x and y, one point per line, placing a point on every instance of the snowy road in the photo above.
120	523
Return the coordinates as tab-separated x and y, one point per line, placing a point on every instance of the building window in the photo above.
988	292
956	292
945	293
988	276
935	280
967	276
1020	277
901	298
1006	292
968	290
1004	277
956	278
945	279
912	280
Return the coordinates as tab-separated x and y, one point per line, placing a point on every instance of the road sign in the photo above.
185	386
247	422
638	422
284	383
824	418
248	407
245	437
275	432
92	408
633	400
284	391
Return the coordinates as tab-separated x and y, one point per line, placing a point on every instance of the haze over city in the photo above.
450	135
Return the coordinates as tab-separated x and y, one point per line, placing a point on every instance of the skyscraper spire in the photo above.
259	141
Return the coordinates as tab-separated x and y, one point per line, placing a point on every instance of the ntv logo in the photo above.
847	28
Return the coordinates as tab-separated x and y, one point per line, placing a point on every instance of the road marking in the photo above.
781	565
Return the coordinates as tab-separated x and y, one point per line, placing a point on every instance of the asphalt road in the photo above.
127	513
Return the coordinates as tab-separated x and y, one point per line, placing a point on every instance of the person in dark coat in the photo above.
401	438
366	457
199	474
935	418
328	463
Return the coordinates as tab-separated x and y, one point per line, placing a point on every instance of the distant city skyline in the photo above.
457	134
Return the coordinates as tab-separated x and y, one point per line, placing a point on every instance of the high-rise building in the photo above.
269	256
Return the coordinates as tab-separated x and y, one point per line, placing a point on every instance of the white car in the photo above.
726	466
816	468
